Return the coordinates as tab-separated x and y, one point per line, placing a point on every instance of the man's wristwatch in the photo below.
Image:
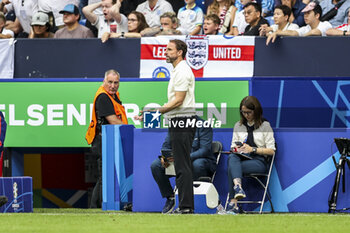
344	33
122	34
254	149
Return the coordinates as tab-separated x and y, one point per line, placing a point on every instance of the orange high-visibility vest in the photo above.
118	109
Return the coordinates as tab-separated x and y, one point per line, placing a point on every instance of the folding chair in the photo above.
216	148
263	179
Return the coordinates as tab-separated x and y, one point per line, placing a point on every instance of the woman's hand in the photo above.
245	149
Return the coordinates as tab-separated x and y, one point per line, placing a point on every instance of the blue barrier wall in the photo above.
117	166
76	58
301	102
302	57
303	170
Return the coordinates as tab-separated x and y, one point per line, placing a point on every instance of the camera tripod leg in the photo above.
333	201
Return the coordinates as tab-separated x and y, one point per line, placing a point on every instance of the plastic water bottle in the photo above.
220	209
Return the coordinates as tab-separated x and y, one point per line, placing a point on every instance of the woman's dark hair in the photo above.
142	24
285	9
252	103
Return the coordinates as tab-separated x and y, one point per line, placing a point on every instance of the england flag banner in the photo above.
208	56
7	58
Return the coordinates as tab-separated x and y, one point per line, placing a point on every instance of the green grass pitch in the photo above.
92	220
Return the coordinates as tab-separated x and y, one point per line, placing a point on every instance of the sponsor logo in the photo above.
151	120
15	205
197	51
161	72
15	191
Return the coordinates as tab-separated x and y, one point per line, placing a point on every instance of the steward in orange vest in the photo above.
107	88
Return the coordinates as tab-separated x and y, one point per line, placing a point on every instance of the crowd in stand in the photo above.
138	18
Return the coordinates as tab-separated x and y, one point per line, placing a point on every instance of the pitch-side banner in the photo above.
208	56
7	57
57	114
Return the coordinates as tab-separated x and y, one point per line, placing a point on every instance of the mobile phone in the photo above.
238	143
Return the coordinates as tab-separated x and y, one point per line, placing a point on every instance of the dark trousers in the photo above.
96	198
200	168
181	139
237	167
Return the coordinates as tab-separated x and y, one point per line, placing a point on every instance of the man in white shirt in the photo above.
24	11
153	9
111	21
55	6
180	110
314	27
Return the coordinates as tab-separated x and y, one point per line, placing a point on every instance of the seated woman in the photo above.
253	136
281	18
136	23
226	12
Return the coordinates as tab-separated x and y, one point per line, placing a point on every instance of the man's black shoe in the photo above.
3	200
169	206
183	211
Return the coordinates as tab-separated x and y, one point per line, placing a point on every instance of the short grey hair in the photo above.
111	71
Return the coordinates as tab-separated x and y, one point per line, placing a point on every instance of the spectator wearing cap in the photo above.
153	9
211	25
24	11
342	30
4	33
314	27
112	21
281	18
72	27
41	26
252	14
341	16
55	6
